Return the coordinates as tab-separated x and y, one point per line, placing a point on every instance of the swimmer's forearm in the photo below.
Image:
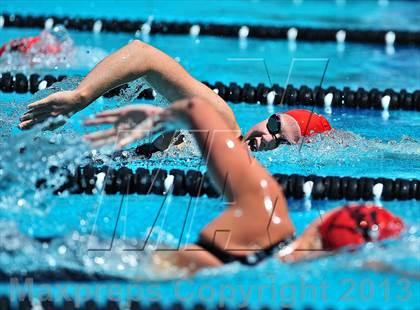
167	76
128	63
224	152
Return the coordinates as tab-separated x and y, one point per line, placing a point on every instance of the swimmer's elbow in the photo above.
143	56
140	48
137	44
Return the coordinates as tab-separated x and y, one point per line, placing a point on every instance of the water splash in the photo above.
134	88
29	158
338	151
39	56
77	252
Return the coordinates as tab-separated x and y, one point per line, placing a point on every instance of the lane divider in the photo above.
26	302
91	180
262	94
292	33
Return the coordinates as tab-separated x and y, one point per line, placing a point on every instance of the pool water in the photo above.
364	144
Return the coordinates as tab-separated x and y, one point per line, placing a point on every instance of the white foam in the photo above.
169	181
385	102
328	100
1	21
97	26
292	34
377	190
307	188
146	28
243	32
390	38
340	36
49	23
100	177
42	85
270	97
195	30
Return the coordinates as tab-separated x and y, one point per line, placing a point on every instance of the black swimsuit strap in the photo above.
250	260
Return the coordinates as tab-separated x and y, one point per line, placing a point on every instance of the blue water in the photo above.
364	145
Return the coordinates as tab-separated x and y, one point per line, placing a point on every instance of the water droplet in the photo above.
230	144
238	212
62	249
51	261
276	219
99	260
263	183
252	259
268	204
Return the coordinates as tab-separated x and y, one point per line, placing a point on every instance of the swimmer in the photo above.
51	49
285	128
47	43
170	79
256	224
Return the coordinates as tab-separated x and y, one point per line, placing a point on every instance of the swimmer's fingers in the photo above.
100	135
99	120
40	104
113	112
103	142
145	128
123	141
32	120
31	114
26	124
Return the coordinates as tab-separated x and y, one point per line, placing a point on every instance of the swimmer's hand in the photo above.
64	103
130	123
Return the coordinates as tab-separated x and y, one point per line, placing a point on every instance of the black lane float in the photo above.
261	93
196	183
377	36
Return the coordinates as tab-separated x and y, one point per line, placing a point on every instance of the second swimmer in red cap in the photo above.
285	128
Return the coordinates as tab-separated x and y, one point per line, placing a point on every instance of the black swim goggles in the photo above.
274	124
274	128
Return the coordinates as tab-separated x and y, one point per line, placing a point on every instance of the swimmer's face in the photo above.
258	138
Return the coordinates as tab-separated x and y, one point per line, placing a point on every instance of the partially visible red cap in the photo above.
2	49
310	123
25	44
358	224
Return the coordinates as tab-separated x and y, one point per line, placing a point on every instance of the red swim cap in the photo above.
24	45
2	49
358	224
310	123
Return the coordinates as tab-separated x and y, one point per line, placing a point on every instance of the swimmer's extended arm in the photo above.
134	60
257	215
